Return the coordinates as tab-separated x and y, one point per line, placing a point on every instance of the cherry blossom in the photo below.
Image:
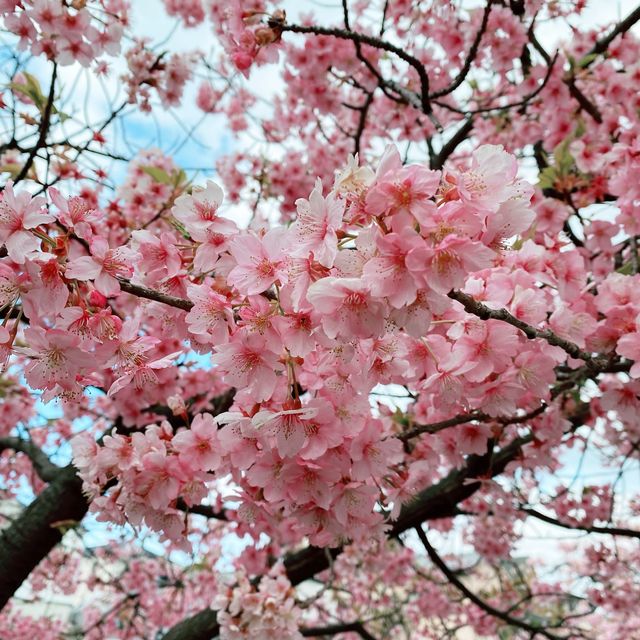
19	214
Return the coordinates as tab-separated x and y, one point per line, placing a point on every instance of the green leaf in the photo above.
563	160
159	175
31	89
201	565
11	168
400	418
547	178
626	269
587	60
63	117
517	244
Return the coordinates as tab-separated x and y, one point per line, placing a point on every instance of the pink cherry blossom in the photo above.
248	363
19	214
211	318
314	230
104	267
198	446
56	358
260	262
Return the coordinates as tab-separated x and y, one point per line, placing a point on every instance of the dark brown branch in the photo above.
38	529
40	526
201	510
479	416
582	100
46	470
485	313
522	103
81	149
157	296
613	531
471	56
622	27
452	144
473	416
391	89
371	41
485	606
333	629
566	227
44	129
437	501
362	121
569	80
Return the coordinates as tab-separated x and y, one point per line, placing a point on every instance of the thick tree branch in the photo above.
40	526
38	529
452	144
438	501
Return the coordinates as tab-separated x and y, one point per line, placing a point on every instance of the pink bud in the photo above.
97	299
242	60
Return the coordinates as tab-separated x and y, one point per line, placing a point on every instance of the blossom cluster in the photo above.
382	337
66	32
268	610
146	70
303	322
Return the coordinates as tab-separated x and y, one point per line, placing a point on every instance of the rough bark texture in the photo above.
36	531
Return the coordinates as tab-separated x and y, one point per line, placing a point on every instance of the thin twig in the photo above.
485	606
44	129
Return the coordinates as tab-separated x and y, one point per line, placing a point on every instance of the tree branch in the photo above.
333	629
523	102
485	606
471	56
201	510
40	526
472	416
437	501
484	312
38	529
157	296
613	531
44	129
569	80
452	144
376	43
622	27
